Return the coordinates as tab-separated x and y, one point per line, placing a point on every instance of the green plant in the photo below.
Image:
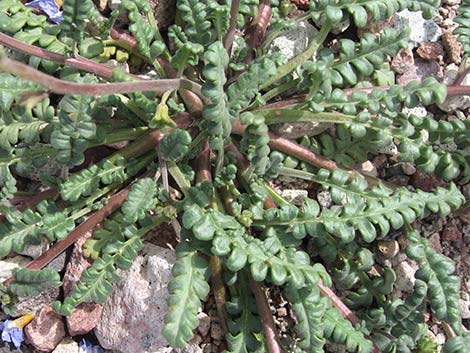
232	221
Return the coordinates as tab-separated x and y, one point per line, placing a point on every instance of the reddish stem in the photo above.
203	163
456	90
269	327
292	148
125	37
58	86
78	62
136	149
258	29
461	76
228	40
113	204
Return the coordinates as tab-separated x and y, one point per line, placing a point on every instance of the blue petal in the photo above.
49	7
17	337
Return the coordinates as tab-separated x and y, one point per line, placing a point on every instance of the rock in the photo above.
405	272
464	308
8	264
426	181
430	51
86	315
324	199
46	330
132	317
67	345
452	233
368	168
389	248
421	70
33	304
34	251
408	168
435	242
204	324
101	4
84	318
164	12
399	180
294	41
403	61
421	30
452	46
58	264
300	129
455	102
216	331
76	265
296	197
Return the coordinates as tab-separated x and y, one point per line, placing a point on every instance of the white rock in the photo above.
294	41
295	197
67	345
419	111
405	272
132	317
7	265
464	308
421	30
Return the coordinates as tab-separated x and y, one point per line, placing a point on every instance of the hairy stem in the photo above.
57	86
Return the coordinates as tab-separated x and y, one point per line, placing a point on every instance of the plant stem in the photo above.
269	327
179	177
302	57
258	28
278	90
79	62
55	250
55	85
203	173
228	40
276	116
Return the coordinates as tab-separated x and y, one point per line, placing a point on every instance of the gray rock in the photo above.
34	251
324	199
132	317
464	308
292	42
295	197
421	30
34	304
405	272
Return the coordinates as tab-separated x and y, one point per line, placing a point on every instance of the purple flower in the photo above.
11	333
87	347
49	7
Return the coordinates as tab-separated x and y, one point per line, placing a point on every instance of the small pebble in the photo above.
389	248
